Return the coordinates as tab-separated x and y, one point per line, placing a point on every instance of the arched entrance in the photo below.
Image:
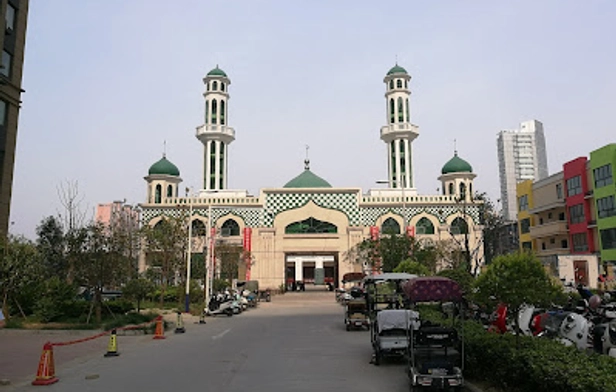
310	270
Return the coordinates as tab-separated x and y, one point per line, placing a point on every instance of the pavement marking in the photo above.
220	335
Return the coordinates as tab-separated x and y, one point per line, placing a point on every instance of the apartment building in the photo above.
12	41
521	156
526	220
602	162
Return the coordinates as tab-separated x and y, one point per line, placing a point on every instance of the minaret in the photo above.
399	133
215	134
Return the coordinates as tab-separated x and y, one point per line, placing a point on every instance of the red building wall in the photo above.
571	169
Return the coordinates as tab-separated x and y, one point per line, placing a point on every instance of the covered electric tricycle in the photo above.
436	349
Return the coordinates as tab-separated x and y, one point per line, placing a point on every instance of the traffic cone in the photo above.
202	318
46	373
112	348
179	327
160	331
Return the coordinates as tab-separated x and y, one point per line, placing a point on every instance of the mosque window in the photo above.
169	191
391	84
214	111
400	110
470	189
207	111
406	84
214	85
230	228
399	83
392	110
222	86
222	112
451	191
310	225
424	226
158	194
198	228
160	225
462	190
408	112
390	226
459	226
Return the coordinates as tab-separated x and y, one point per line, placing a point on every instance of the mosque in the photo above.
303	231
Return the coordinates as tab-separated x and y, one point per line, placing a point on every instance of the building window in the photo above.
230	228
608	238
606	207
574	186
169	191
214	85
462	190
391	84
580	242
157	195
559	191
603	176
576	213
6	63
399	83
527	245
390	226
9	18
310	225
424	226
408	112
222	86
525	226
459	226
400	110
451	192
214	111
3	107
392	110
523	203
564	244
222	112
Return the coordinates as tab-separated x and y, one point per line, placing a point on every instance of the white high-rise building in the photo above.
521	156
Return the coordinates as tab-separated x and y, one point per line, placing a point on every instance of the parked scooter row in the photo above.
230	302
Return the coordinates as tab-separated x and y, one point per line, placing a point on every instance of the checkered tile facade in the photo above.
250	216
346	203
441	212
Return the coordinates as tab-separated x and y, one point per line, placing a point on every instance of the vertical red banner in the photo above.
374	233
247	242
410	231
376	260
212	253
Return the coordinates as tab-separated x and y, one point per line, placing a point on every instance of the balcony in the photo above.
216	132
549	229
560	203
552	251
397	130
588	195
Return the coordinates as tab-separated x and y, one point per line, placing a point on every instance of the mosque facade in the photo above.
304	230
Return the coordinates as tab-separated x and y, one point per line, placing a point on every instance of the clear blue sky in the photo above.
108	81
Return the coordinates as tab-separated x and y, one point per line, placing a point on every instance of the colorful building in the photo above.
602	162
524	194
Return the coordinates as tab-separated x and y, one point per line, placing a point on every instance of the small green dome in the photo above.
217	72
457	165
164	166
307	180
397	69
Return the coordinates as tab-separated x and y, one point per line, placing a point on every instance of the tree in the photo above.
495	238
137	290
412	267
229	256
51	246
388	251
20	268
516	279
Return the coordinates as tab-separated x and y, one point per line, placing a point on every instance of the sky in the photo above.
109	83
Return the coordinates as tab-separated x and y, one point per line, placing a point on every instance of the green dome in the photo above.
397	69
217	72
457	165
164	166
307	180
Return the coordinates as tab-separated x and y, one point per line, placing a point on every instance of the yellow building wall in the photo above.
525	188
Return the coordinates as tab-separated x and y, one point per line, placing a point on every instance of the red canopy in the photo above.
432	288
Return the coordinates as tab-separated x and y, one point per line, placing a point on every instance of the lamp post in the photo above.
188	252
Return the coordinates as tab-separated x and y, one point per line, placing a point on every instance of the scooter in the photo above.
604	338
569	328
219	304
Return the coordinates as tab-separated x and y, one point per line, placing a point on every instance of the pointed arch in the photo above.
459	226
406	84
230	228
222	112
392	110
169	190
390	226
198	228
222	86
463	190
425	226
310	225
400	110
158	194
408	112
214	111
399	83
451	189
214	85
391	84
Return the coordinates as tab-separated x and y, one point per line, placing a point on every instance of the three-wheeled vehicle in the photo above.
384	292
356	314
391	333
436	351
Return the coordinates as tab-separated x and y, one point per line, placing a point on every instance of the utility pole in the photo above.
188	252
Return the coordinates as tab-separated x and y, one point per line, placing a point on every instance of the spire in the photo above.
455	147
307	161
164	149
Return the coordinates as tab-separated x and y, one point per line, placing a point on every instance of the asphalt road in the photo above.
295	343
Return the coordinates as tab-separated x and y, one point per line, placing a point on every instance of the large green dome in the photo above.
397	69
457	165
307	180
217	72
164	166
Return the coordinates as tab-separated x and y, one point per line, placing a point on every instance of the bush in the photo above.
118	306
130	319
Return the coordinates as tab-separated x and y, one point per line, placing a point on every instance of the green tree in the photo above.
137	290
20	269
229	256
460	275
51	246
412	267
494	235
516	279
388	251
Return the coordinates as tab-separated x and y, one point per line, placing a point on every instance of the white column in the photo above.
226	167
389	165
299	270
397	162
217	164
407	164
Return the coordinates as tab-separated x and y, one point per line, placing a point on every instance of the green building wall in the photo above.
603	156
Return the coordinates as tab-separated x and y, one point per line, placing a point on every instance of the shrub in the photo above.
118	306
130	319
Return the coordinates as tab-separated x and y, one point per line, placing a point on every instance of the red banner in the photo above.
374	233
247	240
376	260
410	231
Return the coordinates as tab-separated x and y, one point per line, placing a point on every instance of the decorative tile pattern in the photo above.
250	216
371	214
275	203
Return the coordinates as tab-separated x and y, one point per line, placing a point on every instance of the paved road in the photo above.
295	343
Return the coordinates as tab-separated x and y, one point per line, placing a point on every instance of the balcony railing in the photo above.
399	127
209	129
549	229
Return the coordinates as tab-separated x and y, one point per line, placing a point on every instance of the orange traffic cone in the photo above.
46	373
160	331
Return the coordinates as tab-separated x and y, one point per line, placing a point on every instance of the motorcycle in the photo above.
219	304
